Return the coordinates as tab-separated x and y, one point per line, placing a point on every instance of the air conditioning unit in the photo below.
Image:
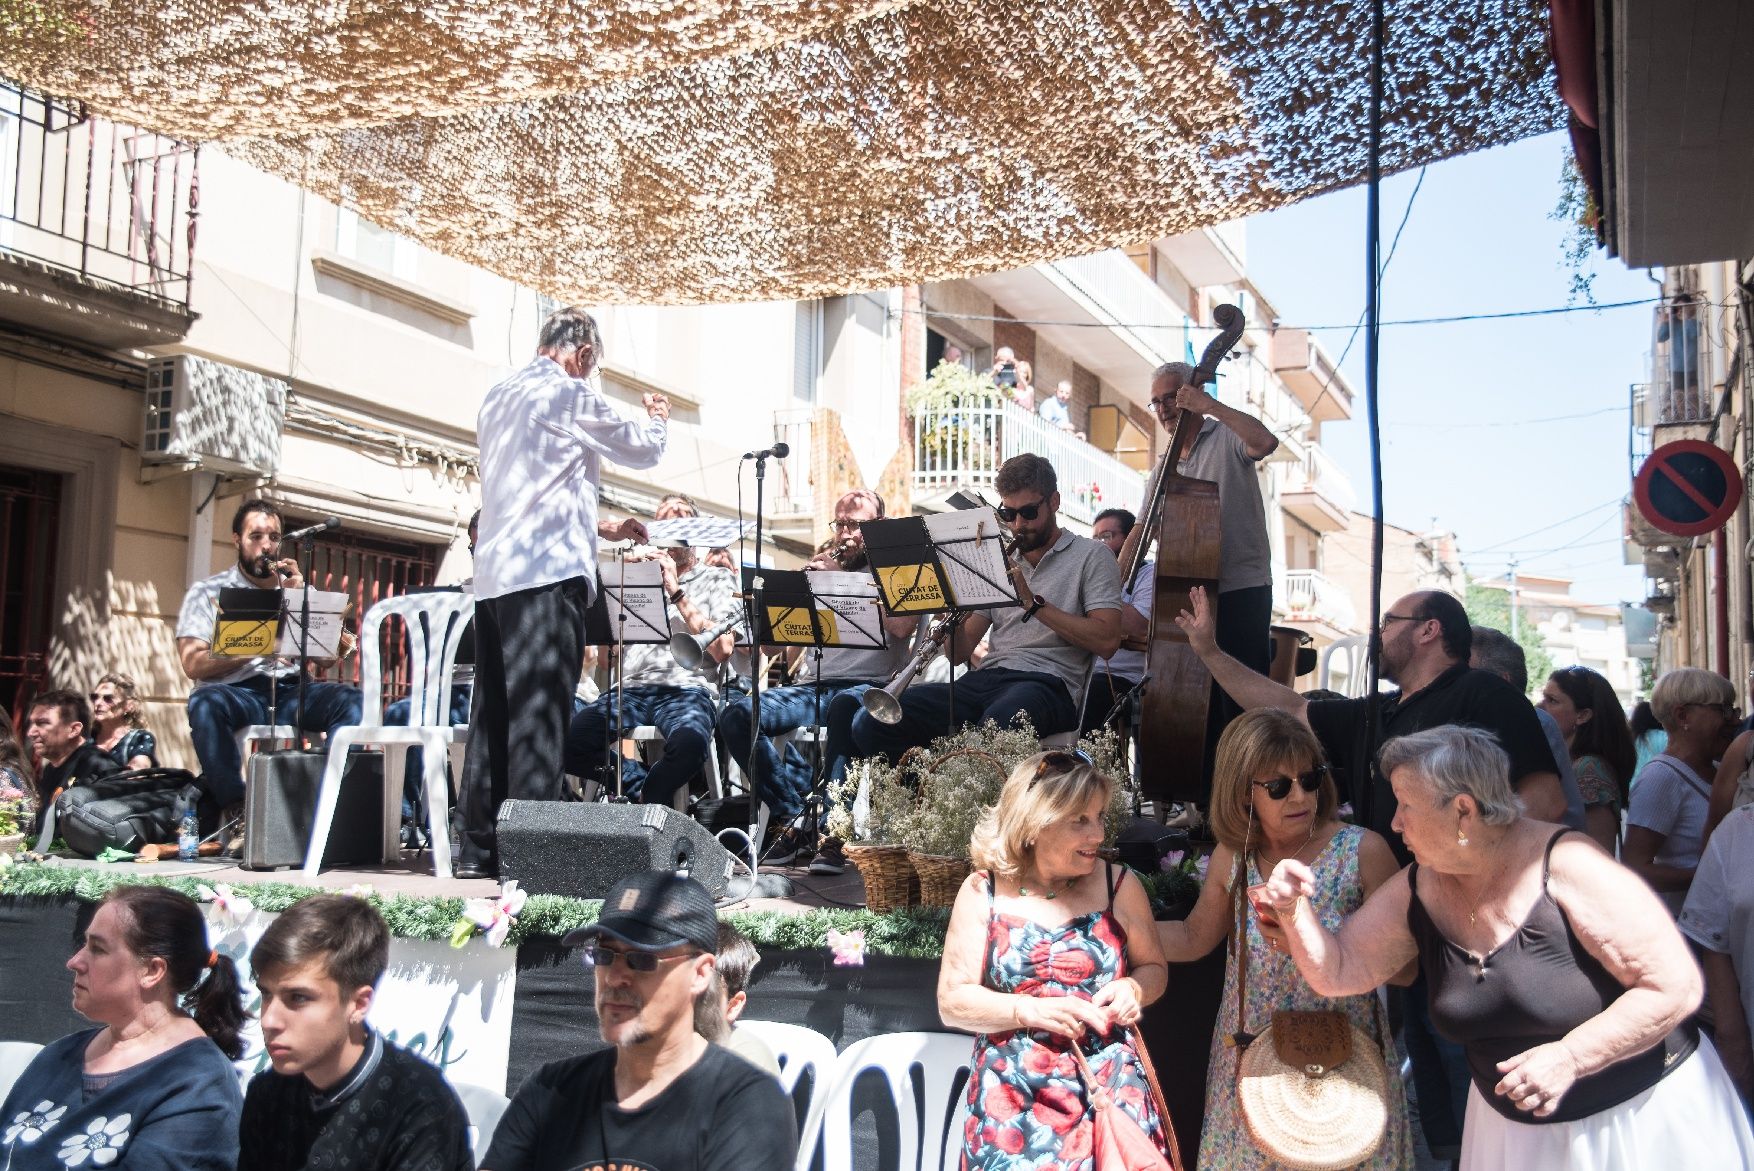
207	414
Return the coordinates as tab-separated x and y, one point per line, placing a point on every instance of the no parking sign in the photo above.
1688	488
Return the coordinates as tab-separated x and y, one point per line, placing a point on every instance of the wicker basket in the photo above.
940	877
890	881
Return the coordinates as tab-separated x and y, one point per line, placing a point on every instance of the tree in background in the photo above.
1487	606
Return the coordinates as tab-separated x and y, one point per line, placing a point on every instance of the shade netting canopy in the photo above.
686	151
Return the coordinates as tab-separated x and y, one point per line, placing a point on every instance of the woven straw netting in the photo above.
718	150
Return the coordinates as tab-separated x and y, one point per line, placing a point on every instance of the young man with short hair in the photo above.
660	1097
339	1095
716	1012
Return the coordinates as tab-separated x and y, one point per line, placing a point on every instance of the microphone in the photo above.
333	522
777	451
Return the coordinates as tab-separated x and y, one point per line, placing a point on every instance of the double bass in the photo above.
1182	514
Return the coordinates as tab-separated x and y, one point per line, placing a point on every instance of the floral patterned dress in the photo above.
1595	782
1274	984
1027	1105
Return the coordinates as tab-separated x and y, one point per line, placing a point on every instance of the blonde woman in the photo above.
116	724
1666	821
1273	799
1048	947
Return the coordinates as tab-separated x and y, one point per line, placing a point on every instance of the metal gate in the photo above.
368	569
30	509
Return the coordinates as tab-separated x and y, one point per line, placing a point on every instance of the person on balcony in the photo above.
1039	654
1058	410
1117	675
1680	328
1225	448
832	682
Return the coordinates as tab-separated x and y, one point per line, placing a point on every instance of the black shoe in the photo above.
829	860
787	847
475	870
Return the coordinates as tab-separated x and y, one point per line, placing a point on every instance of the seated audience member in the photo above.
232	693
1039	655
58	720
338	1094
154	1087
1117	675
1719	917
1583	706
1497	652
783	782
116	724
655	689
17	789
1665	824
660	1096
716	1012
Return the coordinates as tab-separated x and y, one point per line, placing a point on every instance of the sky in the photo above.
1511	433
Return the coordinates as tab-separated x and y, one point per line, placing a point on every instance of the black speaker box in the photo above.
280	803
584	849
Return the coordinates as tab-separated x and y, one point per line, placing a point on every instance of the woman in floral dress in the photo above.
154	1089
1589	716
1272	798
1048	947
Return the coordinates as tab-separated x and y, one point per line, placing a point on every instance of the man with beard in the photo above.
1039	654
232	693
660	1097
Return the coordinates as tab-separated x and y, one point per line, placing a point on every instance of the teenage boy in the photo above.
716	1012
339	1095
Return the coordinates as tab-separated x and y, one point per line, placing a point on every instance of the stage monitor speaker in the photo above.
280	803
584	849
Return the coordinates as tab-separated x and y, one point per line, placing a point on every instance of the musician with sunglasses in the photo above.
1038	654
660	1095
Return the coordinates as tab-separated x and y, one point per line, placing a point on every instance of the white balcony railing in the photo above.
1325	477
1309	596
796	495
1127	296
964	441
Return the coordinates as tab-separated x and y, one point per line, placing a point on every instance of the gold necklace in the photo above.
1295	857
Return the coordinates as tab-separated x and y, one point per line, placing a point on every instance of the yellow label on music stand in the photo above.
245	637
908	588
790	625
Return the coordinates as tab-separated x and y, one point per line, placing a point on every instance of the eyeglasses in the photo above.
1027	512
845	526
1163	401
1061	761
1106	538
1388	618
637	961
1279	788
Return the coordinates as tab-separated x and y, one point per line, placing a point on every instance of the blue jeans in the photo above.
784	783
413	784
218	710
1440	1074
683	714
998	694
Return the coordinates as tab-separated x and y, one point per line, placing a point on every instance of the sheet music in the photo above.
700	532
850	615
327	607
635	589
973	557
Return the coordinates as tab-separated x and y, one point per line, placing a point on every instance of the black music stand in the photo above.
626	612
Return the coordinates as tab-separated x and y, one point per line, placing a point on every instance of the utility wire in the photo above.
1545	528
1522	422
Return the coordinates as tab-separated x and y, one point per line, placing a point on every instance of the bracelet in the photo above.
676	596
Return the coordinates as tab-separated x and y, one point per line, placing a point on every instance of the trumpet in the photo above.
846	554
884	703
690	649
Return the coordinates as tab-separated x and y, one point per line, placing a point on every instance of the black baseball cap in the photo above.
653	910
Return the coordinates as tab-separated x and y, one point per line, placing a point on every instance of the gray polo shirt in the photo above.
1078	575
871	666
1244	558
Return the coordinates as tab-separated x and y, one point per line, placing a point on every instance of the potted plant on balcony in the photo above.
949	409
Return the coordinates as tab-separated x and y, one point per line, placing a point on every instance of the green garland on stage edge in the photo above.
915	933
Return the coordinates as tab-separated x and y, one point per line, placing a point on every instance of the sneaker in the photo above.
785	847
829	860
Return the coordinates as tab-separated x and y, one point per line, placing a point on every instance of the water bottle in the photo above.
188	835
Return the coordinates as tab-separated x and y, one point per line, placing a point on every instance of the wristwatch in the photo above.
1036	602
676	596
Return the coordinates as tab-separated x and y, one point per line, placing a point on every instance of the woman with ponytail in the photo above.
153	1088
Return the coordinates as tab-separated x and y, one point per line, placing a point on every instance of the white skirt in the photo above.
1691	1119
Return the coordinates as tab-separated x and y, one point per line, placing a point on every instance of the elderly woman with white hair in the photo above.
1049	949
1671	798
1552	965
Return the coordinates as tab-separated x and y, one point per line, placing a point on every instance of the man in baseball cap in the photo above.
660	1096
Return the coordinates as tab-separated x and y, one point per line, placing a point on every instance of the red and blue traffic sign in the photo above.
1688	487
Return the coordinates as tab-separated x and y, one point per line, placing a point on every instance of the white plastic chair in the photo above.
15	1055
485	1108
434	623
800	1051
941	1058
1352	651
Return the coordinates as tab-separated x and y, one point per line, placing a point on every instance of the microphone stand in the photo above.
307	548
754	605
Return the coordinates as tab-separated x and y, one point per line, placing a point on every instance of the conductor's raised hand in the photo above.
657	406
625	530
1199	622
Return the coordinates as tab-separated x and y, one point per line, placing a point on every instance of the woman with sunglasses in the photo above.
1273	799
1048	948
116	724
1589	716
1548	962
1665	825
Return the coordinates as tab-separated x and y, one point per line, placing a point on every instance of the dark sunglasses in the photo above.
98	697
1279	788
637	961
1061	762
1027	512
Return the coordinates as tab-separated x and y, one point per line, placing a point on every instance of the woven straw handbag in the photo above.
1312	1088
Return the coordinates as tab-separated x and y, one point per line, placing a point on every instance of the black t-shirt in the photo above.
1461	695
396	1115
87	763
722	1114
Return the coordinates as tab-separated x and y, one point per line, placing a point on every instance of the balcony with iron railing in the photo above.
1309	596
1318	492
97	222
961	442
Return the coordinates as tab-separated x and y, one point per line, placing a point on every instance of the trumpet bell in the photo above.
884	707
688	649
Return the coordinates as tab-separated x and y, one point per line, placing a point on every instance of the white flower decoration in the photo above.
495	916
233	908
101	1143
30	1125
360	890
